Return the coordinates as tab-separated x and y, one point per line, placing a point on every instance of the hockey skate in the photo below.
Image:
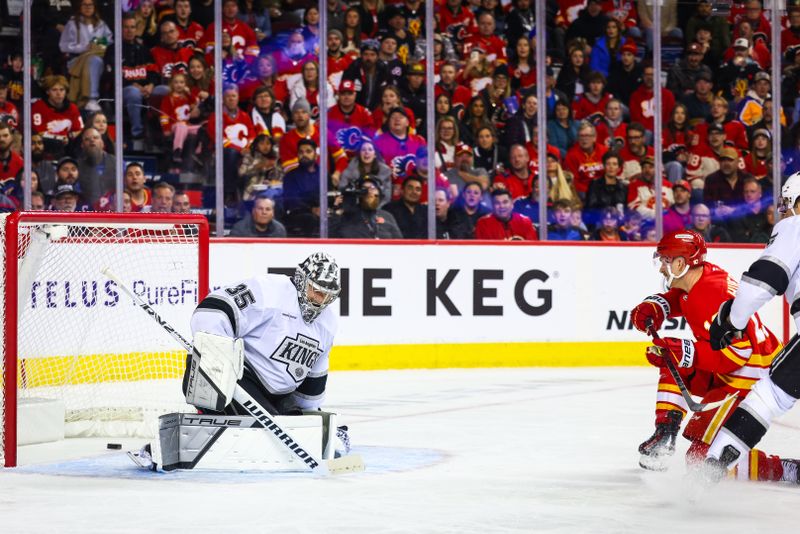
661	445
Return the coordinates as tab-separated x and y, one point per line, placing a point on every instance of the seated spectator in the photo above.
489	154
590	24
573	76
750	108
562	129
592	103
496	96
147	29
766	121
260	222
487	39
301	192
704	157
605	51
632	153
701	223
266	75
519	127
361	216
551	94
12	162
338	59
200	80
760	155
400	148
8	111
608	226
66	198
267	120
455	17
242	36
735	75
522	65
351	32
387	55
390	99
503	223
67	172
735	131
718	27
724	189
448	85
181	203
642	191
367	165
163	196
612	130
38	202
585	160
368	75
99	121
464	171
750	222
642	102
305	129
606	191
55	118
577	222
84	40
632	226
307	87
16	190
676	134
754	15
559	182
413	95
169	57
477	72
520	22
96	167
138	193
698	101
190	32
677	217
517	180
259	170
176	111
529	205
561	228
626	76
410	215
237	131
470	203
685	72
450	224
475	117
44	168
446	143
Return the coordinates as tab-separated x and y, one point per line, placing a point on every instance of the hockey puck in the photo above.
115	446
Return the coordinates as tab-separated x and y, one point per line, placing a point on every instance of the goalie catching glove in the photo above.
213	368
721	332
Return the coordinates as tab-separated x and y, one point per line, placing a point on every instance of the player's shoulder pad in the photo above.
272	290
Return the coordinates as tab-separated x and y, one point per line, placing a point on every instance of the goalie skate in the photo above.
656	451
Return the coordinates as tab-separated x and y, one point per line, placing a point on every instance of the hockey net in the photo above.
70	335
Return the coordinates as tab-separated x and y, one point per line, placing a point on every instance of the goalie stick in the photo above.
345	464
693	405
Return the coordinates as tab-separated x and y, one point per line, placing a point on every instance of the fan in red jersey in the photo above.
695	291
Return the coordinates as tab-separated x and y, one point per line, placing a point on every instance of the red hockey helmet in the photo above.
687	244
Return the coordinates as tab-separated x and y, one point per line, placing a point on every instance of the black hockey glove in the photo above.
721	333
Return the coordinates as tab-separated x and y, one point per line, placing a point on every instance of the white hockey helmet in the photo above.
318	284
790	192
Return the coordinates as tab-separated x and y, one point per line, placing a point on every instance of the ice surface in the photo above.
479	450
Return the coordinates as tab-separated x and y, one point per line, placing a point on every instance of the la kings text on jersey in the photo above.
287	355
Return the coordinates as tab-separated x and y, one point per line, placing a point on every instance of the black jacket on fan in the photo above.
137	65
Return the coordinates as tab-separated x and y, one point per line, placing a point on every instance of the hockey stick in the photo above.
693	405
345	464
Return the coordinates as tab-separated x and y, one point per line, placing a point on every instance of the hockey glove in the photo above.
655	309
655	357
682	351
721	332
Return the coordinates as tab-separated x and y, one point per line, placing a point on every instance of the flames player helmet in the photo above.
318	284
687	244
790	193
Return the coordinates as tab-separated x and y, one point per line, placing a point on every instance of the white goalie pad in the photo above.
238	443
212	381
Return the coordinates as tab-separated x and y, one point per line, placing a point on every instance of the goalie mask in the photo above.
318	284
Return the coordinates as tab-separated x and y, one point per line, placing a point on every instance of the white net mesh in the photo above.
83	341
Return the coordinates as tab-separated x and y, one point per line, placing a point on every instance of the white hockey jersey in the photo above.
775	272
288	355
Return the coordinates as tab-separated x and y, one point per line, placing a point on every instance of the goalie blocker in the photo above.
230	442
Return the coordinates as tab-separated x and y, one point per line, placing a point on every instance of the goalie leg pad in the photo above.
212	370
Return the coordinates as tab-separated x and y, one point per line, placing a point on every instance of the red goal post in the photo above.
77	344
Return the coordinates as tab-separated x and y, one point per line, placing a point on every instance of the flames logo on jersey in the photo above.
298	355
350	138
404	166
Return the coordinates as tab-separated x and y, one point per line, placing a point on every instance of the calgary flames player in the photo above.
695	290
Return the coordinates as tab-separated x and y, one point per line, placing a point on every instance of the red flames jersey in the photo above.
237	132
243	38
190	36
585	167
170	62
175	109
55	124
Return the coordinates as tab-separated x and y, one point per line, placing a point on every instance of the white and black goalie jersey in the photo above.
775	272
288	355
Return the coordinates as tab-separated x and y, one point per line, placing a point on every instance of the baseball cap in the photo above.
650	160
682	183
716	127
66	159
741	42
694	48
347	86
65	189
397	109
554	152
761	75
629	46
415	68
728	153
463	148
369	44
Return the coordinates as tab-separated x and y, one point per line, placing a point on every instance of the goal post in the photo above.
73	343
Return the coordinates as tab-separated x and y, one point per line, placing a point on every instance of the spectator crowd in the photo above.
717	138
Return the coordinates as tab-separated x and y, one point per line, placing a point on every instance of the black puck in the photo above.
113	446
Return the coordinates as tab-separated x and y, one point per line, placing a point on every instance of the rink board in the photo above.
480	304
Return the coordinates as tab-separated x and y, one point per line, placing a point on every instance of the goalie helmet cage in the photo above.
72	336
